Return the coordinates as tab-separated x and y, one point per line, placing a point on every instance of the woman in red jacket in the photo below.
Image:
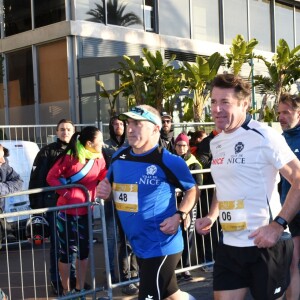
72	224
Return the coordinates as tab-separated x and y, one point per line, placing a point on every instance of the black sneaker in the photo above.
179	277
73	284
56	287
187	276
130	289
87	286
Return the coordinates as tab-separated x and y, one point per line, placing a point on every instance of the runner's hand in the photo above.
170	225
267	236
203	225
103	189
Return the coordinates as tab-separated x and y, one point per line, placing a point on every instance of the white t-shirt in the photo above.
245	170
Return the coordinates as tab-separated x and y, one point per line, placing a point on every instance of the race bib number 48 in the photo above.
232	215
126	197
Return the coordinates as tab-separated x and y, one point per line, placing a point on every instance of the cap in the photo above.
182	137
141	114
164	114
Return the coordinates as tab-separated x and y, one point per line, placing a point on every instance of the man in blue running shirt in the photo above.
143	179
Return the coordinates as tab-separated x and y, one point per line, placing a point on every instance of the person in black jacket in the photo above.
41	165
204	156
167	139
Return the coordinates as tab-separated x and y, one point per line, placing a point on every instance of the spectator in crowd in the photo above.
83	160
144	199
255	252
289	118
182	149
209	242
196	137
167	133
10	182
127	259
43	162
3	295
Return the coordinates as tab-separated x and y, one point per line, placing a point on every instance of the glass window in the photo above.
125	13
53	85
284	24
174	18
235	20
205	20
149	16
88	85
17	16
297	26
20	87
260	23
48	12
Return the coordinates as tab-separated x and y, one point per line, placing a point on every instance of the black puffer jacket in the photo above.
41	166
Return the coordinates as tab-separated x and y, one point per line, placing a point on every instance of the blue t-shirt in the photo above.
144	194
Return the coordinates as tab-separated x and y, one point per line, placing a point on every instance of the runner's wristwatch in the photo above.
281	221
182	214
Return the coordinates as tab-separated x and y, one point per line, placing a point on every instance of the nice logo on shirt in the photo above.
236	158
150	178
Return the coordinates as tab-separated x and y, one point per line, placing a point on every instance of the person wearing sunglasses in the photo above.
143	178
167	139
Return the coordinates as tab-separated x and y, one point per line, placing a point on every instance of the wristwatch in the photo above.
281	221
182	214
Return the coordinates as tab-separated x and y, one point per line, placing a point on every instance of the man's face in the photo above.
166	124
118	126
288	117
65	132
141	135
227	110
2	159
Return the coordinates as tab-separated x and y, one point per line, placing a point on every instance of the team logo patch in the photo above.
238	147
151	170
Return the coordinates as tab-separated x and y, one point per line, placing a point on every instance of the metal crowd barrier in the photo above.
24	268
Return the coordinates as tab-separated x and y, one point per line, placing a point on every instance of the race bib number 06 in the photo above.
126	197
232	215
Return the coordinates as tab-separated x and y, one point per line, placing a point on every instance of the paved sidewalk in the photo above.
200	287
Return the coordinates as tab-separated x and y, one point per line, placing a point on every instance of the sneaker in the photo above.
130	289
187	276
56	287
74	292
208	269
179	277
73	285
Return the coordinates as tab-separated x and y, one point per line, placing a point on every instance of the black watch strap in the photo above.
182	215
281	221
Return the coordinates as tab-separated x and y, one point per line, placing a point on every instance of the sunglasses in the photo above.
166	121
146	114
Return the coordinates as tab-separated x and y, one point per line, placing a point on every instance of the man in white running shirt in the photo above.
247	155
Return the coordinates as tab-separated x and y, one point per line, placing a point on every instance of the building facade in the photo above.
53	51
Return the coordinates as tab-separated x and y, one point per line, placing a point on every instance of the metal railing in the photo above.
34	281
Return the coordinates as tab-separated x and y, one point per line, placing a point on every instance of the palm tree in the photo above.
150	80
198	77
115	14
284	70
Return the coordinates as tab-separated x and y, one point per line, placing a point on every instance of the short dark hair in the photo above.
292	100
241	87
64	121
